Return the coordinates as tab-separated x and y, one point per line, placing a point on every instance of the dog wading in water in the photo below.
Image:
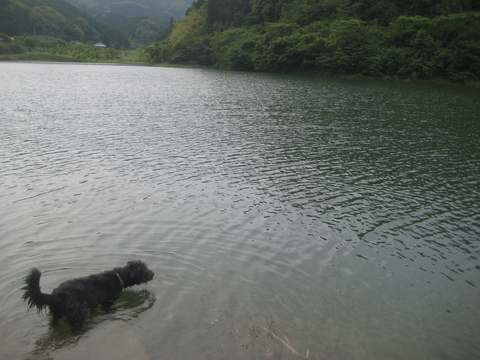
71	299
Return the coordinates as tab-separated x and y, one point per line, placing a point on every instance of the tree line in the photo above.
398	39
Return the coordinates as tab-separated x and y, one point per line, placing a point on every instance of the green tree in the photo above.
31	42
4	38
37	20
146	31
228	12
195	19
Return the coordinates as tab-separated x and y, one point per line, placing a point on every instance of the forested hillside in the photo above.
143	21
55	18
161	10
398	39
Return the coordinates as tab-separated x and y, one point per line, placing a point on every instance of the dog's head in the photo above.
137	272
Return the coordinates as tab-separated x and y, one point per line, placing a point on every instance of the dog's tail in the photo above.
33	294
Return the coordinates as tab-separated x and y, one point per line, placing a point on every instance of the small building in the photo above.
100	45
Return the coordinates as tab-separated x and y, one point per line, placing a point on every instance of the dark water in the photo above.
347	212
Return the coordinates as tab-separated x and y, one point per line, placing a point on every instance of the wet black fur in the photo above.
71	299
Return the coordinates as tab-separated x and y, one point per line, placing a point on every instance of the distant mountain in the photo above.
143	21
55	18
159	10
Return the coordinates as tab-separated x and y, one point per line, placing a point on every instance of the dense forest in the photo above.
396	39
55	18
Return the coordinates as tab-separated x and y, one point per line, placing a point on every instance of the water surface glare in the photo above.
345	211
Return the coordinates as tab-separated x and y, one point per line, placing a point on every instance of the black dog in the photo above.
71	299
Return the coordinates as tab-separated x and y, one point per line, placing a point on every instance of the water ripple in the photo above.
345	211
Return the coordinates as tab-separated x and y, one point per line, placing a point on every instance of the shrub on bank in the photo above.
34	48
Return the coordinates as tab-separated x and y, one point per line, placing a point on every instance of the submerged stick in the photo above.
285	343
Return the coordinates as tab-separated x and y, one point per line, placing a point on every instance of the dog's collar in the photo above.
120	279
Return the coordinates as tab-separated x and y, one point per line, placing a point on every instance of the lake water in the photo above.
347	212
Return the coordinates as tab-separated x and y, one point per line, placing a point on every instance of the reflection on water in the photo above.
129	306
345	211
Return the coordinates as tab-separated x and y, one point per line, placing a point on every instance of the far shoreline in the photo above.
132	62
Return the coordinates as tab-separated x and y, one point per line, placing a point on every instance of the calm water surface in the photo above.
347	212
